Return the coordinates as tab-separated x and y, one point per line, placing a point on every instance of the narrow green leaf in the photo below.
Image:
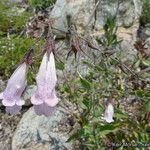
76	135
146	62
86	84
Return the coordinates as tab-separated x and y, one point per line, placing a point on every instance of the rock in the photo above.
128	34
148	46
17	1
78	11
148	43
144	32
126	52
82	13
42	133
7	127
2	85
28	93
126	12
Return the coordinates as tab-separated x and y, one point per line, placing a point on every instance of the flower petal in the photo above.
45	97
20	102
51	77
15	86
19	76
35	100
108	115
52	100
13	110
1	95
109	120
44	109
42	70
6	102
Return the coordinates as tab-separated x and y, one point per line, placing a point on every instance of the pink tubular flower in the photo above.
45	97
109	112
11	96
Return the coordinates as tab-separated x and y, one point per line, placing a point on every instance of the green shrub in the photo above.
88	94
110	37
145	17
40	4
109	78
12	17
12	51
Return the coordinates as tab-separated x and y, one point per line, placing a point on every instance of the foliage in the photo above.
145	17
40	4
110	38
89	93
12	50
106	79
11	17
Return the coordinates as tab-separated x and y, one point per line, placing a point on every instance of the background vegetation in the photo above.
106	79
145	17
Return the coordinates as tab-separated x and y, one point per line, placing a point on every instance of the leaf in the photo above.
87	103
88	63
82	105
86	84
105	129
99	68
147	106
146	62
76	135
140	93
136	65
60	65
120	115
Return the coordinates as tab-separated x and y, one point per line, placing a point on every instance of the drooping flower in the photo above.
109	112
44	99
11	96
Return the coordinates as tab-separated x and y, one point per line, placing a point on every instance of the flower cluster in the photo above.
44	99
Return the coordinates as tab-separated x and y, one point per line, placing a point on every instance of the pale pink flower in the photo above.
45	97
11	96
109	112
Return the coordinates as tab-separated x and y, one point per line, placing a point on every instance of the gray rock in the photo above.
126	52
78	11
2	85
42	133
126	12
83	15
28	93
144	32
148	45
17	1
